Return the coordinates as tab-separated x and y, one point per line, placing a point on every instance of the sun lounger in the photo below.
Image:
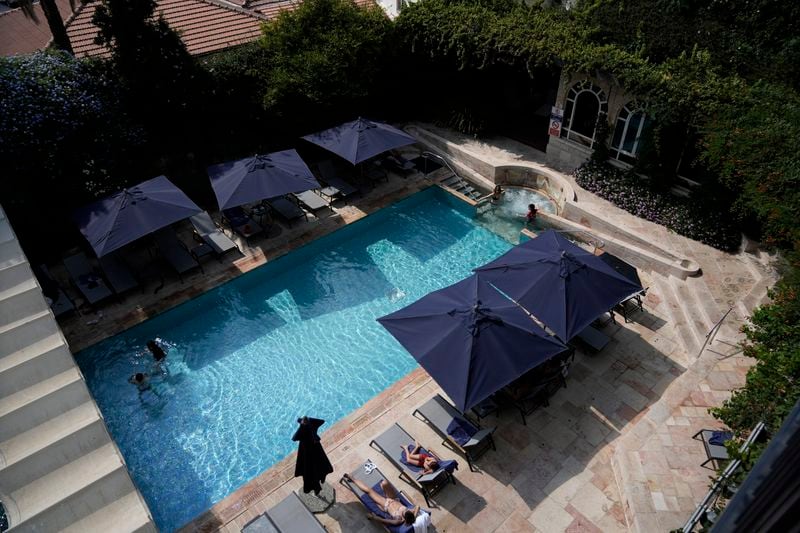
207	229
175	252
456	429
288	516
241	223
398	164
714	444
117	273
311	201
286	209
60	303
87	279
390	442
372	477
337	187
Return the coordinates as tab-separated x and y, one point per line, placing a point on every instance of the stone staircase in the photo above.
59	468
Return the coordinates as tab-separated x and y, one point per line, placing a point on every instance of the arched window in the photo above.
585	102
631	122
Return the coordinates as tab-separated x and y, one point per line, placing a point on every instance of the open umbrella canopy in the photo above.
558	282
360	139
260	177
471	339
129	214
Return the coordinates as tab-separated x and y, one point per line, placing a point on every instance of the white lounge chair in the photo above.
212	235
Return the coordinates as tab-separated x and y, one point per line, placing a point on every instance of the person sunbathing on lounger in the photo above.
392	506
426	461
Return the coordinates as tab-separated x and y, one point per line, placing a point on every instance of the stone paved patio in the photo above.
612	452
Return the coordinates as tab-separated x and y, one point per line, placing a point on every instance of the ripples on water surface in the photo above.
507	217
297	336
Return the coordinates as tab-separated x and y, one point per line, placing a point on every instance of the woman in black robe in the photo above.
312	463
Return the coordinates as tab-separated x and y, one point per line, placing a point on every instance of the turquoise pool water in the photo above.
296	336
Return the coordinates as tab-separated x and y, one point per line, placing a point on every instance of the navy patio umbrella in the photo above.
132	213
360	139
471	339
558	282
260	177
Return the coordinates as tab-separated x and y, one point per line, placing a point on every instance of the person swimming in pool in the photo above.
141	380
159	356
426	461
393	507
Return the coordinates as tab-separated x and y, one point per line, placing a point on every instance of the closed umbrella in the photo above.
471	339
260	177
312	463
360	139
558	282
132	213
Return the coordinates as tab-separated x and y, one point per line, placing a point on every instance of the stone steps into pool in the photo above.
45	502
34	363
107	519
59	469
58	431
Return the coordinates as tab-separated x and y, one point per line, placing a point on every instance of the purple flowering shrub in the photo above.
684	216
60	115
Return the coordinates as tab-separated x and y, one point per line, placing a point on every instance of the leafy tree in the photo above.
754	146
54	21
63	140
324	59
163	84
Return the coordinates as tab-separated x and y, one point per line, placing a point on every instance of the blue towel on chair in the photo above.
373	507
718	438
461	431
448	466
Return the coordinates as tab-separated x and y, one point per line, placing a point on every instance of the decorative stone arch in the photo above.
631	123
584	105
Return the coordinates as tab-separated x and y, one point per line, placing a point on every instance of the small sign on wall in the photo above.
556	117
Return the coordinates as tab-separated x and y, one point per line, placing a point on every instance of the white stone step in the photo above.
757	296
26	331
714	311
21	301
28	443
38	403
107	519
37	362
663	287
13	275
690	303
59	492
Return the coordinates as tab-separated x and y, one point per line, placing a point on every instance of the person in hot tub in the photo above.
530	216
497	194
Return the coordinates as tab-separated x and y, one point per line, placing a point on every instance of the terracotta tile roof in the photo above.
271	8
21	35
205	26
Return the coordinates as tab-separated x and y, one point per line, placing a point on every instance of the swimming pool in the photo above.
295	336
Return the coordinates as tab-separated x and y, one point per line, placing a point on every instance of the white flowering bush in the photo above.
689	218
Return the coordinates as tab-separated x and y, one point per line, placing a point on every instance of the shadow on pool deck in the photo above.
546	476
